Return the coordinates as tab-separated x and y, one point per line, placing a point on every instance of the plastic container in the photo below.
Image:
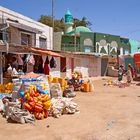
86	87
55	80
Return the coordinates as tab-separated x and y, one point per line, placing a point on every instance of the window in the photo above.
25	39
1	37
4	36
88	42
42	42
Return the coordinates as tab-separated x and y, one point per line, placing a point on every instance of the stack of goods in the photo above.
37	97
76	81
59	81
6	88
29	75
87	87
36	103
13	111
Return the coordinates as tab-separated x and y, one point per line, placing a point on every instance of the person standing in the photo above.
20	62
129	75
132	70
121	73
14	63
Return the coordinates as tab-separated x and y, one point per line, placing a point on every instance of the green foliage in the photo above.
83	22
59	24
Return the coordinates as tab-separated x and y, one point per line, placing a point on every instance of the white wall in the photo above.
90	66
47	31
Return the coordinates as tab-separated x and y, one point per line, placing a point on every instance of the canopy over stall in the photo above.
20	49
26	50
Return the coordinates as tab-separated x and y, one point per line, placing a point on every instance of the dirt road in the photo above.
109	113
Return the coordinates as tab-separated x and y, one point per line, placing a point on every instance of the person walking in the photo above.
131	70
121	73
129	75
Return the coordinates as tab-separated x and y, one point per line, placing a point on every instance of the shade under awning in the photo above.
26	50
25	27
45	52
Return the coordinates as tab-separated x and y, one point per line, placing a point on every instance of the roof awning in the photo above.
26	50
25	27
45	52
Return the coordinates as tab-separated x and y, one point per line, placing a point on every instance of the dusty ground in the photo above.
109	113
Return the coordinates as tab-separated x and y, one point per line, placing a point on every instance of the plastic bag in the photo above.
55	90
53	63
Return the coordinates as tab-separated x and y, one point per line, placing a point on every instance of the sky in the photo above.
117	17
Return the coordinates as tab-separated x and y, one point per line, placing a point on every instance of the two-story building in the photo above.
21	30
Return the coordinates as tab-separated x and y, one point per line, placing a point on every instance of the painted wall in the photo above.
125	46
88	65
106	43
96	42
67	43
57	41
87	42
134	46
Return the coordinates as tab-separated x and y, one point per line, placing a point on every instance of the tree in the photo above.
59	24
83	22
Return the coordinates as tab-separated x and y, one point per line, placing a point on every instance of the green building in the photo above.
82	39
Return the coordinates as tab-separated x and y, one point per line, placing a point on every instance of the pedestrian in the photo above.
121	73
129	75
132	70
20	62
14	63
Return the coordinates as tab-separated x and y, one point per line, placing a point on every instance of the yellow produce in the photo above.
6	88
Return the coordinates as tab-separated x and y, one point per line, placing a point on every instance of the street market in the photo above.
62	80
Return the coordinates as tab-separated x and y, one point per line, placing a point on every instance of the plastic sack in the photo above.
17	85
1	105
55	90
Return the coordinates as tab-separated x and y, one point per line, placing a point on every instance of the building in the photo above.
82	39
22	35
89	52
21	30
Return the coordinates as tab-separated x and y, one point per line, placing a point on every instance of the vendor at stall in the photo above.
14	63
20	62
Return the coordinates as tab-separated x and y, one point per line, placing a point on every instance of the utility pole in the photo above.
75	38
53	24
1	63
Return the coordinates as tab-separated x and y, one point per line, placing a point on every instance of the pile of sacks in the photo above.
13	111
36	99
62	105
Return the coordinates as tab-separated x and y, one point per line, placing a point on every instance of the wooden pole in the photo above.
52	24
1	71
